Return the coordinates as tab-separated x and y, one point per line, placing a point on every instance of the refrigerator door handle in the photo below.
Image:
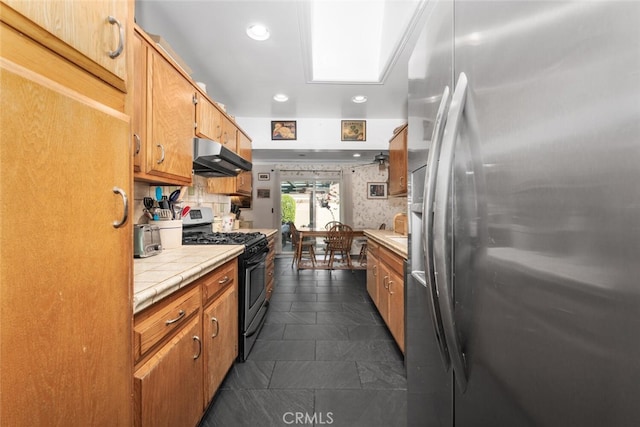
441	238
427	223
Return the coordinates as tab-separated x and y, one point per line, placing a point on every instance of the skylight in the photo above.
356	41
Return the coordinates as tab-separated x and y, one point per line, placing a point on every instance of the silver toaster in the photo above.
146	240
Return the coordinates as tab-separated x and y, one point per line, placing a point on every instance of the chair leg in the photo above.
312	255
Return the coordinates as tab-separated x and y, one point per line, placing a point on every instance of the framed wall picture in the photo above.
354	130
264	176
376	190
264	193
283	130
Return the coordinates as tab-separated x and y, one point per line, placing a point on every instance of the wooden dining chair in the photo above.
339	240
328	226
301	246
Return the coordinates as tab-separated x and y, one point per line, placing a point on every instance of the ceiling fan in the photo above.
382	160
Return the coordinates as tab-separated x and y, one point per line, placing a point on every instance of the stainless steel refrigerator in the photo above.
523	284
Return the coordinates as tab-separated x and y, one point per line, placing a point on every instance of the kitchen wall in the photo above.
359	211
313	133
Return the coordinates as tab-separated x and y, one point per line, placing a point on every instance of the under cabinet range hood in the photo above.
211	159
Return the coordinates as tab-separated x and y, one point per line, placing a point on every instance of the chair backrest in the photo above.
295	234
340	237
330	224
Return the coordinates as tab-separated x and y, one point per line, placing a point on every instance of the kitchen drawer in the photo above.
392	260
156	323
218	280
373	247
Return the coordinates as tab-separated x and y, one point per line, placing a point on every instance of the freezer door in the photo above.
546	213
430	389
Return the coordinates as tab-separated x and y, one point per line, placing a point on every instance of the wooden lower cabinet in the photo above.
270	267
168	386
221	336
184	346
372	270
385	284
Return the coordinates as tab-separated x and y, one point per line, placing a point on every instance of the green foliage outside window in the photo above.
288	208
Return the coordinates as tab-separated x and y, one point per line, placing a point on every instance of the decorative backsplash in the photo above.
195	195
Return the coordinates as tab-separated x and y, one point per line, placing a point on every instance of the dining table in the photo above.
320	232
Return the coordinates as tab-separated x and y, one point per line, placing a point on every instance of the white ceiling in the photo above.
243	74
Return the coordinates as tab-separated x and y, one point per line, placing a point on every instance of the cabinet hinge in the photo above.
195	99
195	125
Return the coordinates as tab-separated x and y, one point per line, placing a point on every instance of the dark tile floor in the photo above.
323	357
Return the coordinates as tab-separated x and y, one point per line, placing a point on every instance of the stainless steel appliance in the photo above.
146	240
252	292
212	159
523	303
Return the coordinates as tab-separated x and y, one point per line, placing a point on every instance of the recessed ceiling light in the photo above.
356	155
359	99
281	97
258	32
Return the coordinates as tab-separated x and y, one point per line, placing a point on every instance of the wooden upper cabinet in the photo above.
244	146
398	166
170	121
229	134
91	34
139	96
208	120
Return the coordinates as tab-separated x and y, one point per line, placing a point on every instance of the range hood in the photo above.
212	159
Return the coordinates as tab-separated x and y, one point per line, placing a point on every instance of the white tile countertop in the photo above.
395	242
158	276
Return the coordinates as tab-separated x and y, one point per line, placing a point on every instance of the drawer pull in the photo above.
224	280
197	338
180	316
215	321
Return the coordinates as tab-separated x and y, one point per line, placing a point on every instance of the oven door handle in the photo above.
262	315
262	257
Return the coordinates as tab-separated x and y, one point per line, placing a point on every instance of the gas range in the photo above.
253	241
252	276
197	230
218	238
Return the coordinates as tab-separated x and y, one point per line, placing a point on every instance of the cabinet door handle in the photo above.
136	138
115	53
224	280
375	270
181	314
161	147
197	338
125	213
389	287
215	321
